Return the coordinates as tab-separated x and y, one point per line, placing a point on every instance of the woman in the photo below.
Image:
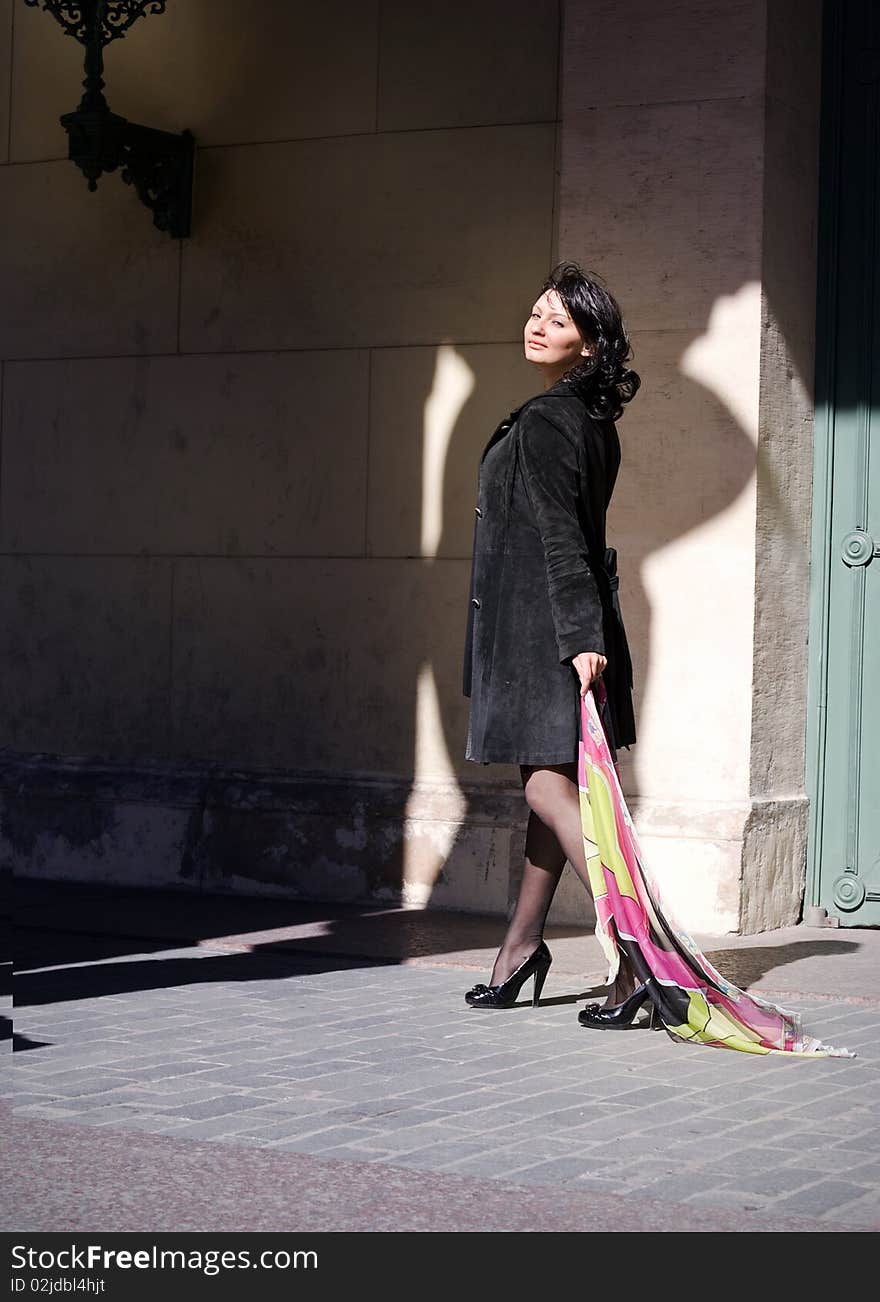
549	677
544	623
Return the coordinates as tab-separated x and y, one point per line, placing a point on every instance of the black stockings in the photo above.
553	836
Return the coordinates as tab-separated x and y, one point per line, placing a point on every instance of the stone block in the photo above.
432	75
687	447
314	664
82	840
794	54
259	453
353	840
774	857
694	699
699	879
85	650
648	53
369	240
664	200
82	274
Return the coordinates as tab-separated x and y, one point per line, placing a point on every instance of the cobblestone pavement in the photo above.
354	1061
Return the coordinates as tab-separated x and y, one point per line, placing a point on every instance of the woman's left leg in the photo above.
542	869
554	834
553	794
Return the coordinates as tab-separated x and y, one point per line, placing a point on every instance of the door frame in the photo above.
821	543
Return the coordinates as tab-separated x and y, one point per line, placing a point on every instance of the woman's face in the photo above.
552	340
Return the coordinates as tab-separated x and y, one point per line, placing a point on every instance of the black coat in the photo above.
543	585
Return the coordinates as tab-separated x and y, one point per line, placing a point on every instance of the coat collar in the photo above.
557	390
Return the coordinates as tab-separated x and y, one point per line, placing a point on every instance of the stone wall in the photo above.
689	173
238	471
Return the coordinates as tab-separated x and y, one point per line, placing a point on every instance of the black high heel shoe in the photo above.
619	1016
506	994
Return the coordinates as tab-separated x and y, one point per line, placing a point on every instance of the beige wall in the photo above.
689	159
238	471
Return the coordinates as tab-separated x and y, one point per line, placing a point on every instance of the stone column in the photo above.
689	182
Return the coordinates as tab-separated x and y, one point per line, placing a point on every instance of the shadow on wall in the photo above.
677	474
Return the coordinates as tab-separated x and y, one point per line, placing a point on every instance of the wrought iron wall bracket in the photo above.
158	164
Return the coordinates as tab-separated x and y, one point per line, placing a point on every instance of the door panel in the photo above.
845	673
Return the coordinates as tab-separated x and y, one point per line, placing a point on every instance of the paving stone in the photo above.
843	1162
249	1076
542	1146
209	1128
867	1173
445	1106
117	1114
558	1170
596	1184
862	1211
743	1160
321	1140
219	1106
493	1165
401	1120
640	1174
828	1111
410	1139
23	1100
608	1131
749	1109
720	1198
701	1152
368	1087
129	1097
172	1071
779	1180
652	1096
754	1132
818	1199
56	1111
82	1081
301	1107
686	1184
865	1139
151	1125
169	1094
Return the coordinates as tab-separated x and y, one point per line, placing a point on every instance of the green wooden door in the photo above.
844	739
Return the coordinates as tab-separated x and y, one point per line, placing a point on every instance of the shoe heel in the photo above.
540	978
656	1022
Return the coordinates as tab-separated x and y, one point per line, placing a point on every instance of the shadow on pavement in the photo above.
74	942
89	969
746	966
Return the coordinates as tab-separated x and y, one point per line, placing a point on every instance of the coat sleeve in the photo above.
551	474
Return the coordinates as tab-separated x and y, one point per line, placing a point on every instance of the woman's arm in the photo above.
552	480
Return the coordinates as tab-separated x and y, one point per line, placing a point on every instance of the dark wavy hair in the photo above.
603	380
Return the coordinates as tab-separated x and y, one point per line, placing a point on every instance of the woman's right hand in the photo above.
589	665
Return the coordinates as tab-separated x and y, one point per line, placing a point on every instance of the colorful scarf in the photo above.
694	1002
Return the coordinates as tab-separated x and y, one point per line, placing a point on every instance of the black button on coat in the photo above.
543	585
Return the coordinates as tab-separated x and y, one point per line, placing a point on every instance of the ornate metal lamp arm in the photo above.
159	164
101	20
